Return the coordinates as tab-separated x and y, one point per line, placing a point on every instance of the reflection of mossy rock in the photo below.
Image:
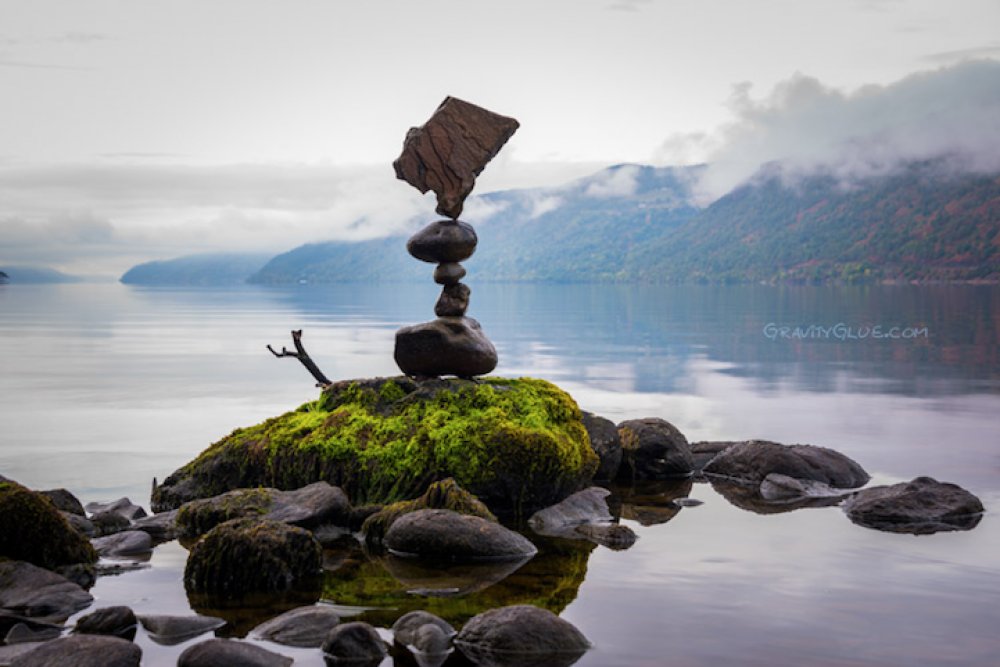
248	555
518	445
33	530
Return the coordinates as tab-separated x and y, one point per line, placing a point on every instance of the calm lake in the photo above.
105	387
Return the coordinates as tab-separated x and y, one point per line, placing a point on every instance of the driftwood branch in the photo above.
303	356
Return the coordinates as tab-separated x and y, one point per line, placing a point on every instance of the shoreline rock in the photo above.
921	506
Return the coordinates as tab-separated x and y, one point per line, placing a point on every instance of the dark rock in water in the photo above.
33	530
119	621
587	506
161	527
653	449
45	596
109	523
920	506
777	487
64	501
650	502
531	452
521	635
448	273
454	300
447	152
704	451
122	506
404	630
611	535
355	643
228	652
607	444
746	496
309	506
126	543
305	627
248	555
83	651
443	495
22	633
443	241
447	535
752	461
170	630
9	620
82	525
445	346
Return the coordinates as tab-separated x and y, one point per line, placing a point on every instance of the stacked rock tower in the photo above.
445	155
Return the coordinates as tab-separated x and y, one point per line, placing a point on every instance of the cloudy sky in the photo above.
134	130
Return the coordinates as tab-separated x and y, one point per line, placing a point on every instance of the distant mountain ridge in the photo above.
34	275
632	223
205	270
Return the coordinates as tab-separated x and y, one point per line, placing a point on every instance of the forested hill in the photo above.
918	224
638	224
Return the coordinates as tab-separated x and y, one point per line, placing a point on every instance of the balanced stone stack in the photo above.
445	155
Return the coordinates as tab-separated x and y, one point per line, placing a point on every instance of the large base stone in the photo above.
445	346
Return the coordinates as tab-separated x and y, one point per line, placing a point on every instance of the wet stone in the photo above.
443	241
449	273
454	300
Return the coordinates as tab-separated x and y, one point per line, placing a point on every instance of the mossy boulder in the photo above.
517	444
33	530
246	556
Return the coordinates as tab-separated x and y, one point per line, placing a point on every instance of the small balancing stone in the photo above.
443	241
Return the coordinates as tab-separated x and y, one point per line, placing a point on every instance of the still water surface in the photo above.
103	387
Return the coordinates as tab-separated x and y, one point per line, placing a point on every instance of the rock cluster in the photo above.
445	155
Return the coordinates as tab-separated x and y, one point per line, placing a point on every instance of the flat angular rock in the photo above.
226	652
443	241
446	346
447	152
653	448
752	461
355	643
45	596
123	507
169	630
305	627
82	651
777	487
161	527
126	543
521	635
451	536
920	506
561	519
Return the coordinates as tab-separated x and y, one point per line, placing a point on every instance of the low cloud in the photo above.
804	125
619	182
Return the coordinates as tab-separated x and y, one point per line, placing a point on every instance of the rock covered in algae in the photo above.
517	444
33	530
447	152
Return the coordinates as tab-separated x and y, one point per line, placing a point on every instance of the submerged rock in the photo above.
220	652
355	643
451	536
777	488
118	620
122	507
305	627
518	445
33	530
521	635
308	506
404	630
445	346
126	543
39	594
170	630
750	462
611	535
653	449
82	651
920	506
248	555
561	519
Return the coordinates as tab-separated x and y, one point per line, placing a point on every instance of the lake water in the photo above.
104	387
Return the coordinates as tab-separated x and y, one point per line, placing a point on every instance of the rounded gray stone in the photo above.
447	535
443	241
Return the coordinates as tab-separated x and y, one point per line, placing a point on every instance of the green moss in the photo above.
445	494
33	530
517	444
200	516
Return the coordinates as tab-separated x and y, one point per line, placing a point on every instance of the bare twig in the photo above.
303	356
